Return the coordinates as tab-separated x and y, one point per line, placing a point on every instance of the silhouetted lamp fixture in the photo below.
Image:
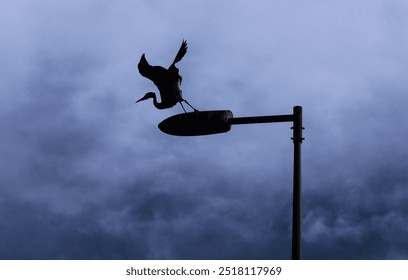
196	123
212	122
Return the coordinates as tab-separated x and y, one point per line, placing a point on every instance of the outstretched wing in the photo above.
154	73
182	51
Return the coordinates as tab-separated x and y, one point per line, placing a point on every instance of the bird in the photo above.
168	81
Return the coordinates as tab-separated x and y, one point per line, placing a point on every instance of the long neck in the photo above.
157	104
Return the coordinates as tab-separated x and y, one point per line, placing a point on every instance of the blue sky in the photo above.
86	173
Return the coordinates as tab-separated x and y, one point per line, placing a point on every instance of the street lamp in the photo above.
212	122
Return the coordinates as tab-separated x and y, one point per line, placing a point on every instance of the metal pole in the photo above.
297	182
297	185
260	119
220	121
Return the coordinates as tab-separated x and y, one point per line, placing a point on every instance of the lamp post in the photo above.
212	122
297	184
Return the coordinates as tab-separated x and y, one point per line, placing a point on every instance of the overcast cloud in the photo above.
86	174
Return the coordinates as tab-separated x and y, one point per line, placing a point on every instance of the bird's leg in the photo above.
182	107
195	110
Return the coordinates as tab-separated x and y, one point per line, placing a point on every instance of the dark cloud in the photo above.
86	174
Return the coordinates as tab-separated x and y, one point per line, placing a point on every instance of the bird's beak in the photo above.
141	99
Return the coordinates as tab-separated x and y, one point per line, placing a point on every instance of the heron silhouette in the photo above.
168	81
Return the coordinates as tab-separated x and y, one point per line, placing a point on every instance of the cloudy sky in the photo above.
86	173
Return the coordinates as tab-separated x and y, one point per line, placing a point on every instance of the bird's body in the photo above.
168	81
